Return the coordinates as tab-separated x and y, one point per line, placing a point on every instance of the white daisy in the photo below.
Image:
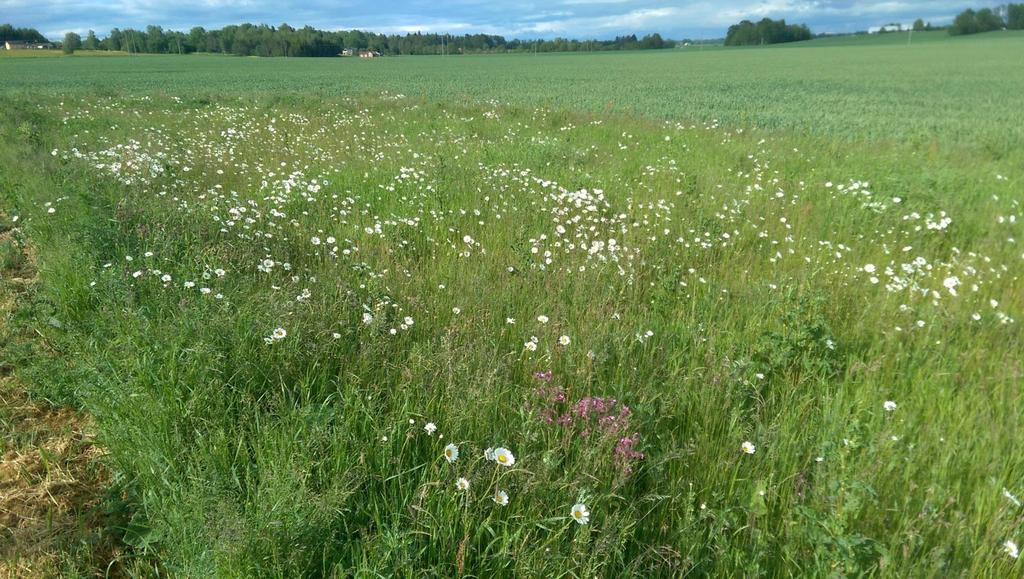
501	497
748	447
504	456
451	453
580	513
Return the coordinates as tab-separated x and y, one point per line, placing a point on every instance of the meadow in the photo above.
712	313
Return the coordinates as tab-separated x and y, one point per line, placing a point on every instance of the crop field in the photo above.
939	89
748	312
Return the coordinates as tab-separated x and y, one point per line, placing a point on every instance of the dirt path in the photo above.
53	520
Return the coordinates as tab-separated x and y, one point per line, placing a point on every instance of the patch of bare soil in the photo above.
52	481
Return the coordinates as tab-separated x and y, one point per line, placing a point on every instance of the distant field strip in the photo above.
952	91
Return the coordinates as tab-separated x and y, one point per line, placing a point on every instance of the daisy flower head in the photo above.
279	333
501	498
1011	549
1009	496
542	319
504	456
564	340
889	405
580	513
748	447
430	427
462	484
451	453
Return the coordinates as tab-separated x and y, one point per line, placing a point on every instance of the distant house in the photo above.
17	45
369	54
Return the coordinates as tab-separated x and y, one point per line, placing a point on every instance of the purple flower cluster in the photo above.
591	416
626	452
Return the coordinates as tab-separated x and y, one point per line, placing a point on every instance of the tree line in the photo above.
765	31
1010	16
8	32
284	40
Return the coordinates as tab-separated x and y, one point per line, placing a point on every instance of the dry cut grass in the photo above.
52	482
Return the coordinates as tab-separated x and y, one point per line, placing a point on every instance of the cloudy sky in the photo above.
512	18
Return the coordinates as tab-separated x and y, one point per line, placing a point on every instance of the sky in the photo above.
514	19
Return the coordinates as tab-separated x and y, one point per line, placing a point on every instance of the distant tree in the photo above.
971	22
155	39
919	25
8	32
652	42
1015	16
91	42
134	40
766	31
988	20
72	42
112	41
197	38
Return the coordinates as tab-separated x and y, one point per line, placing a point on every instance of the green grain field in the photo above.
723	312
